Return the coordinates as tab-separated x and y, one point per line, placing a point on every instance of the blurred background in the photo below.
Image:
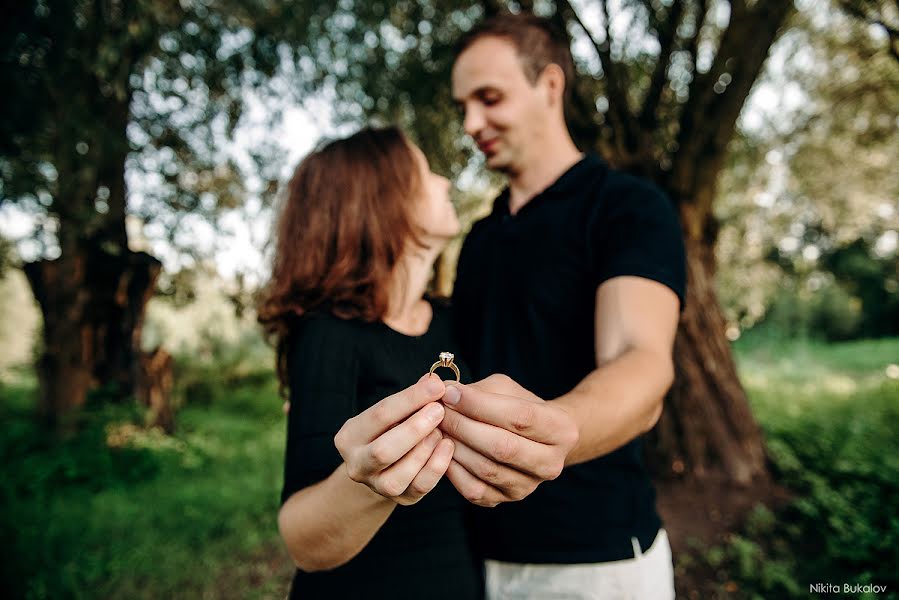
143	146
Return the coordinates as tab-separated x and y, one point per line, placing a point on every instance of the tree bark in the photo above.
707	427
155	388
92	305
63	371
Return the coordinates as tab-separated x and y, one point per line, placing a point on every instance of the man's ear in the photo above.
553	80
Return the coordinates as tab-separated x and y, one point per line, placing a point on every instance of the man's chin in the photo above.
497	162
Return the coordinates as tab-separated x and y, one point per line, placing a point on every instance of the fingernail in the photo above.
434	386
434	412
452	395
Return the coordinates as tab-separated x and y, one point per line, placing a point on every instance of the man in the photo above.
571	289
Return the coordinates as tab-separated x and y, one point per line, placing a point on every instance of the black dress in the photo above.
336	369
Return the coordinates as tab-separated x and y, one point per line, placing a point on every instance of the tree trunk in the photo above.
155	388
94	295
63	369
707	428
93	305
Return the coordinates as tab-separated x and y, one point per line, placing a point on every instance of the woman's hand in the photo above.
394	447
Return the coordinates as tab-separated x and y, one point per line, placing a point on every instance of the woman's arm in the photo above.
393	454
328	523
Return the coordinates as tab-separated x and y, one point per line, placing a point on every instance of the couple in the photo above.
528	482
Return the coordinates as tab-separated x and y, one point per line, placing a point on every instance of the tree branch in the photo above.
621	118
667	31
651	15
892	31
582	108
692	44
742	60
742	52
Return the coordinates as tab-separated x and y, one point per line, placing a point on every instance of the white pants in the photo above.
647	576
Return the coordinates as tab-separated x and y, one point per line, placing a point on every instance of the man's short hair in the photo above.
537	41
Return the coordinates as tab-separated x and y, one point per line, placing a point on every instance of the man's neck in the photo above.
533	178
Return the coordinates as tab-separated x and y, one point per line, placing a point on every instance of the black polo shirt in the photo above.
524	305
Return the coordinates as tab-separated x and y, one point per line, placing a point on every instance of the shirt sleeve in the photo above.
322	369
634	230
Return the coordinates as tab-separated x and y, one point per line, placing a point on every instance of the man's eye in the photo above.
490	100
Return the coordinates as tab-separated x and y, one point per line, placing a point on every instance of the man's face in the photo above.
502	111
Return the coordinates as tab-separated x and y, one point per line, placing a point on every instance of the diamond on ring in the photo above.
445	359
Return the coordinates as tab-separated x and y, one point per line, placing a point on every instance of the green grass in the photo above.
830	414
194	515
161	517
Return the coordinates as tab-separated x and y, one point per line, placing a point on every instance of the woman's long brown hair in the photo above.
343	225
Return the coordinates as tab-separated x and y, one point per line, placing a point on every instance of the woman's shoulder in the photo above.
322	329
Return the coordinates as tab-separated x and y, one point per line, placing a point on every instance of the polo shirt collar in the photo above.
566	183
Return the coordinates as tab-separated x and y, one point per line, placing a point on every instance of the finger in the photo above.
394	481
538	421
377	419
429	476
471	488
512	483
503	384
502	446
394	444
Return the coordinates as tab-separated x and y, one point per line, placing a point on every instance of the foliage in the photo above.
829	414
213	347
128	513
851	293
808	198
203	380
160	84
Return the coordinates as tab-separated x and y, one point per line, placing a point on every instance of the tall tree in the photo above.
814	181
93	88
661	87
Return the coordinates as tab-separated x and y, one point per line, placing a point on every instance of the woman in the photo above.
366	511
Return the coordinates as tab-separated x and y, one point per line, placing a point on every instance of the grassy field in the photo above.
187	516
120	512
831	418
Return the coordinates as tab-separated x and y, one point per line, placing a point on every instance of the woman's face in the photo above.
434	215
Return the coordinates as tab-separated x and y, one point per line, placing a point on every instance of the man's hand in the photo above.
394	447
507	440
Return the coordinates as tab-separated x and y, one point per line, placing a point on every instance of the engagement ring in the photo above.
446	360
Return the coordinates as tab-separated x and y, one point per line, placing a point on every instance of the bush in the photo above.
829	414
830	313
124	512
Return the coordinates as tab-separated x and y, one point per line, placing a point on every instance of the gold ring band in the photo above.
446	360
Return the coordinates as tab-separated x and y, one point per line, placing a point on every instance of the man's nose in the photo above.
474	121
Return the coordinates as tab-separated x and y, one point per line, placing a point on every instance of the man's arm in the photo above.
508	440
635	324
